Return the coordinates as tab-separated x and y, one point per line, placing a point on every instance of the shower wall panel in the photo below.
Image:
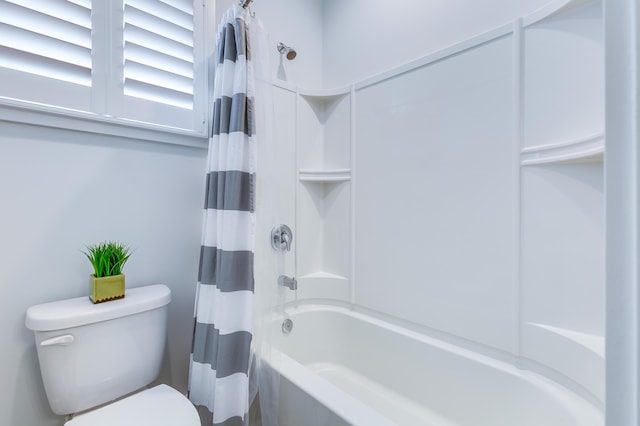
564	77
276	188
323	261
563	310
434	195
563	271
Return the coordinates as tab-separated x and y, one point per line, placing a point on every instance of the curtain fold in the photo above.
223	331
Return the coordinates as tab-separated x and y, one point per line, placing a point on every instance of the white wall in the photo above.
62	190
363	38
297	24
434	202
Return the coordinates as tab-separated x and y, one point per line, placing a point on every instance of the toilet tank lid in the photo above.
81	310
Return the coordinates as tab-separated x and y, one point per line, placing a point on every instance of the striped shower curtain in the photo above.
220	358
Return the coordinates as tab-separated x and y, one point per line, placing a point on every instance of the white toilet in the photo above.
91	355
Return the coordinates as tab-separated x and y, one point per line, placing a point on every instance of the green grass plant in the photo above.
107	258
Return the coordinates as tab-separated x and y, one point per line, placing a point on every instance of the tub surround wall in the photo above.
446	257
324	195
562	309
456	198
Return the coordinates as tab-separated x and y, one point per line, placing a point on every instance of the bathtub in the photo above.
342	367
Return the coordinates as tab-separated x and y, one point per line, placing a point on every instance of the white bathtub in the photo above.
341	367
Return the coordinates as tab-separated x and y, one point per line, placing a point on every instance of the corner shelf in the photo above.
590	342
323	285
589	149
322	275
336	175
549	10
577	355
320	94
323	205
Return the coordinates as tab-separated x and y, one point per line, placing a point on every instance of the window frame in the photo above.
98	119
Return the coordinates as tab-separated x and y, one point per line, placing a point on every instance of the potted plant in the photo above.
107	280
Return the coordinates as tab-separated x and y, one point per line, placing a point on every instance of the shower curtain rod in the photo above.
245	3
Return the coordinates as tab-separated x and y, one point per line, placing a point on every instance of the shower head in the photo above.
289	52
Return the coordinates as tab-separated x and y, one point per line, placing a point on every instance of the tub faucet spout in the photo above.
289	282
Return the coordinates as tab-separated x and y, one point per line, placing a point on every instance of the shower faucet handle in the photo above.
281	238
286	241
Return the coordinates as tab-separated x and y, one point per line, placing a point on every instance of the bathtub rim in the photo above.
523	368
334	399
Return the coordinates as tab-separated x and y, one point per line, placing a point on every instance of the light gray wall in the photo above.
363	38
297	24
62	190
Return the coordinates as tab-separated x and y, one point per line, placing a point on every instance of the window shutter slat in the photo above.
158	26
155	59
163	95
43	66
150	40
64	10
38	44
44	24
142	37
181	14
158	77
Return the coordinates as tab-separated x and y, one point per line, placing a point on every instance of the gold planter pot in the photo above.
104	289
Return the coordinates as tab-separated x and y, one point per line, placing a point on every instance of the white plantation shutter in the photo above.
45	51
59	36
128	60
159	60
158	51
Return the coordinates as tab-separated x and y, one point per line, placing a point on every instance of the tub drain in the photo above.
287	326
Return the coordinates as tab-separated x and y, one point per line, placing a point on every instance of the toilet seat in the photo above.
158	406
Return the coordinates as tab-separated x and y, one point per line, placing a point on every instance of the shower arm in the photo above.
245	3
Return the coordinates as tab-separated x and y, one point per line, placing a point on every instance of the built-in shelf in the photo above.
337	175
585	150
323	203
576	354
552	8
323	275
323	285
592	342
324	93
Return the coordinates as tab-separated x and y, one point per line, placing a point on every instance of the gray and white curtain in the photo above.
220	358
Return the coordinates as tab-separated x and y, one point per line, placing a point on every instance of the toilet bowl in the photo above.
98	359
158	406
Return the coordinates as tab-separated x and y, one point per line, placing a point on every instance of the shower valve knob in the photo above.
281	238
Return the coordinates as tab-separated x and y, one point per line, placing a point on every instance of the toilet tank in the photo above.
91	354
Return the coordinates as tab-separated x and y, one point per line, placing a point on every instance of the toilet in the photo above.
97	360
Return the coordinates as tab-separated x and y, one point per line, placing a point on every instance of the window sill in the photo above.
47	116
